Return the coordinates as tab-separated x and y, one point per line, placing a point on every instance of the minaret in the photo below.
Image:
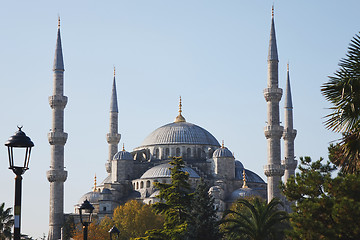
113	137
57	139
289	133
273	131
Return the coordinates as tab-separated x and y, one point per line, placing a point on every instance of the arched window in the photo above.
137	185
167	152
141	184
156	153
178	152
147	183
188	153
104	209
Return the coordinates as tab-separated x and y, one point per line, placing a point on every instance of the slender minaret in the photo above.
57	139
113	137
289	133
273	131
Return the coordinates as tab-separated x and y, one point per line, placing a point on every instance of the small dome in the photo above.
123	155
222	153
243	192
163	171
92	197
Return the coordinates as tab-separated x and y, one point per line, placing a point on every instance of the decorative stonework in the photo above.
273	94
57	138
56	175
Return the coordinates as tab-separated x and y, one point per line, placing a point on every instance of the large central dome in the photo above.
180	132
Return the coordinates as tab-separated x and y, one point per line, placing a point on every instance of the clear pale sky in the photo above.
213	53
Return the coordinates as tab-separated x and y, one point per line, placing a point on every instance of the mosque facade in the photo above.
132	174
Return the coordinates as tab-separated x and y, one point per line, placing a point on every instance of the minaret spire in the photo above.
289	133
273	131
273	53
57	139
58	60
113	137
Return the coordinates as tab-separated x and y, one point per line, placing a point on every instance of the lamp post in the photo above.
19	140
114	230
86	218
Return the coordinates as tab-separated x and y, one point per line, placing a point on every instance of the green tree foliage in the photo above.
6	222
326	207
175	204
204	223
254	219
343	92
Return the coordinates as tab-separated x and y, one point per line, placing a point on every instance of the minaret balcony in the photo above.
289	164
273	131
57	101
113	138
57	138
289	134
274	170
273	94
56	175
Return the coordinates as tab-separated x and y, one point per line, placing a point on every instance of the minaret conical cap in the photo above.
273	53
58	60
113	103
288	99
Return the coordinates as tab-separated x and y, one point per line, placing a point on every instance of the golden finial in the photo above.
180	118
222	144
58	21
95	183
272	11
287	67
123	147
244	180
114	71
180	105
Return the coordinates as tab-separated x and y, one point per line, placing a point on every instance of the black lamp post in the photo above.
86	218
114	230
19	140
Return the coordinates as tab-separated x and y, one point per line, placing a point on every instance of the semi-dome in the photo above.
250	175
180	133
163	171
123	155
92	197
222	153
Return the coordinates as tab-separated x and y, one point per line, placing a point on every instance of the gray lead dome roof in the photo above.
180	133
163	171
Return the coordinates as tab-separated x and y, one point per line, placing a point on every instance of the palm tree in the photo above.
343	92
6	222
257	221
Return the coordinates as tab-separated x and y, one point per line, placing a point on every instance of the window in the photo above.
156	153
188	153
178	152
147	183
167	152
141	184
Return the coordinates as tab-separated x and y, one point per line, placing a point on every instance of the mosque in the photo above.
132	174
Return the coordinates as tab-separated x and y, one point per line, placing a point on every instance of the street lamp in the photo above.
86	218
19	140
114	230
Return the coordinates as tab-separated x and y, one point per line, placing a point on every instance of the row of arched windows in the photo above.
197	153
